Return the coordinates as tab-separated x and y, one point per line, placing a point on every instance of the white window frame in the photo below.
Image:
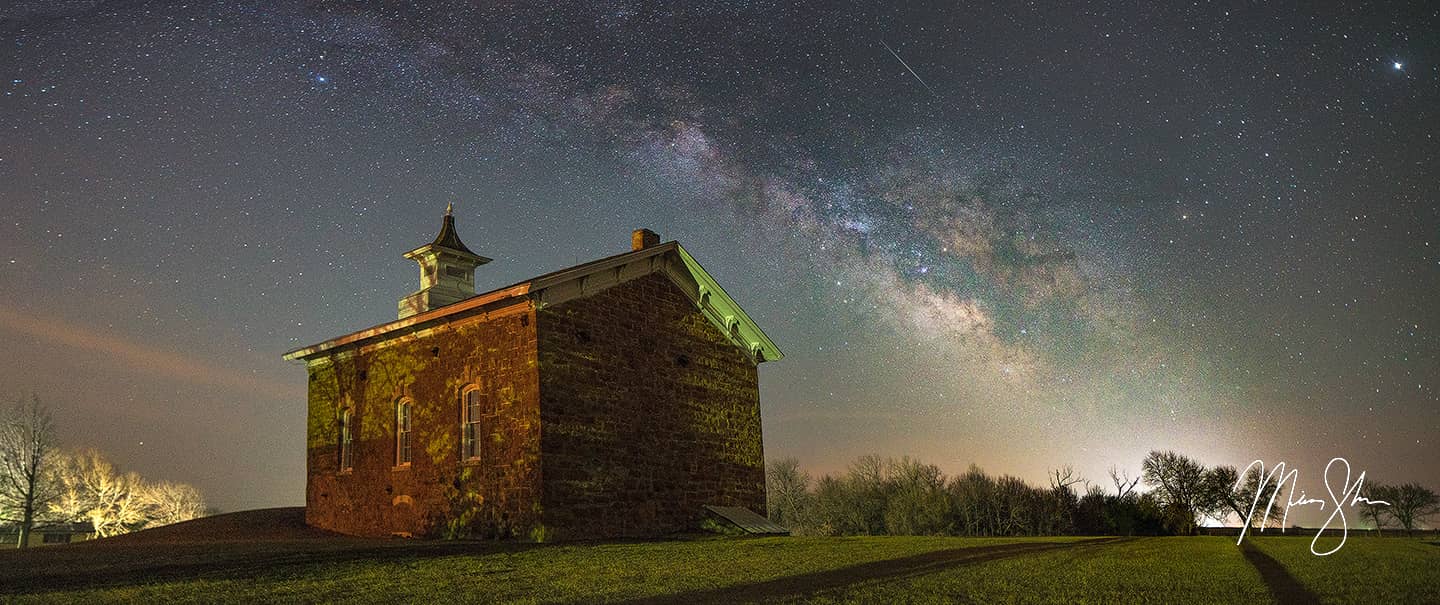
347	440
404	428
471	414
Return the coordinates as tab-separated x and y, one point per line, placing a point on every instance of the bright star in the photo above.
1398	65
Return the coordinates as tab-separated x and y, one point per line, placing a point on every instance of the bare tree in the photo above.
167	502
972	493
1124	485
1410	504
916	501
1064	477
27	455
1183	486
1374	507
787	493
114	502
1230	494
109	499
71	503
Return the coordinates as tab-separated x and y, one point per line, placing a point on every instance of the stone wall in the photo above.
647	411
493	349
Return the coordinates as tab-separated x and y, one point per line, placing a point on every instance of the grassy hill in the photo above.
270	555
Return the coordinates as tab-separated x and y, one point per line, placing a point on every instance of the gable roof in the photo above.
582	280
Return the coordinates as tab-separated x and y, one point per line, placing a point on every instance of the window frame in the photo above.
347	440
404	430
470	425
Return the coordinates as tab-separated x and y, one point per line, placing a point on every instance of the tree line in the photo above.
41	483
876	496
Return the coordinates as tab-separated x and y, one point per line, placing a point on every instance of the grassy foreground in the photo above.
321	568
1364	570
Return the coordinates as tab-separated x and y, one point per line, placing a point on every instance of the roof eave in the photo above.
722	307
415	322
443	248
712	301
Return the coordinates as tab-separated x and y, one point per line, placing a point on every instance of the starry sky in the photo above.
1017	235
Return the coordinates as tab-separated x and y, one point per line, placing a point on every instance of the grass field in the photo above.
245	562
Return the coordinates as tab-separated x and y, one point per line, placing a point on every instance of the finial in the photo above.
449	208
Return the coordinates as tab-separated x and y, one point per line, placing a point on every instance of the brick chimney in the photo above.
641	239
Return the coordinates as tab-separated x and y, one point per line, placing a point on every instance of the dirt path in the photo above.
1285	589
889	569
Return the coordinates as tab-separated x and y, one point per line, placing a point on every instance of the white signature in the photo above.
1348	496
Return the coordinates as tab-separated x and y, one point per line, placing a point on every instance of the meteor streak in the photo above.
907	68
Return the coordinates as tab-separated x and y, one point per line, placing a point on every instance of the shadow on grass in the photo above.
1285	589
889	569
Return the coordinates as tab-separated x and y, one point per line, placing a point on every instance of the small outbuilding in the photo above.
47	534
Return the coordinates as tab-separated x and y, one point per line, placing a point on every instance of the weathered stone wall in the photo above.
647	413
434	495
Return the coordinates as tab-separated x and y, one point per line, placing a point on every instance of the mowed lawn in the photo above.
312	566
1366	569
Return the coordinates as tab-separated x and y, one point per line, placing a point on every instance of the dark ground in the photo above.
229	545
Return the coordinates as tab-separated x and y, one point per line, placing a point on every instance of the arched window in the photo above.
402	433
470	414
347	440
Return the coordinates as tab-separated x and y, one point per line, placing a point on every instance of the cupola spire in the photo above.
447	270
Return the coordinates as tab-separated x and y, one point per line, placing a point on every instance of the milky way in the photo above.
1040	238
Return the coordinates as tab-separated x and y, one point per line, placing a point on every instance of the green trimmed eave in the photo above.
726	314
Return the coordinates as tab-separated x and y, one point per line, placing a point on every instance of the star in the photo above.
1398	65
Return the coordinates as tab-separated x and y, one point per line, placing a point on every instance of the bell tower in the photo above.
447	271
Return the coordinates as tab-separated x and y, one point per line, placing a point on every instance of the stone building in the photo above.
614	398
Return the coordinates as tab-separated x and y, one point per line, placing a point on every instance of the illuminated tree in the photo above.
166	502
101	494
27	457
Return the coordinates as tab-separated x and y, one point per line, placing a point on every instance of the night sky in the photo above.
1019	236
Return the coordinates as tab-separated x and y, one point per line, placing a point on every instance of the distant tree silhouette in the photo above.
1376	512
876	496
916	502
1410	503
1236	496
1124	485
1184	487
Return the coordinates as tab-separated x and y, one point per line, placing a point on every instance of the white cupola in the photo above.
447	271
